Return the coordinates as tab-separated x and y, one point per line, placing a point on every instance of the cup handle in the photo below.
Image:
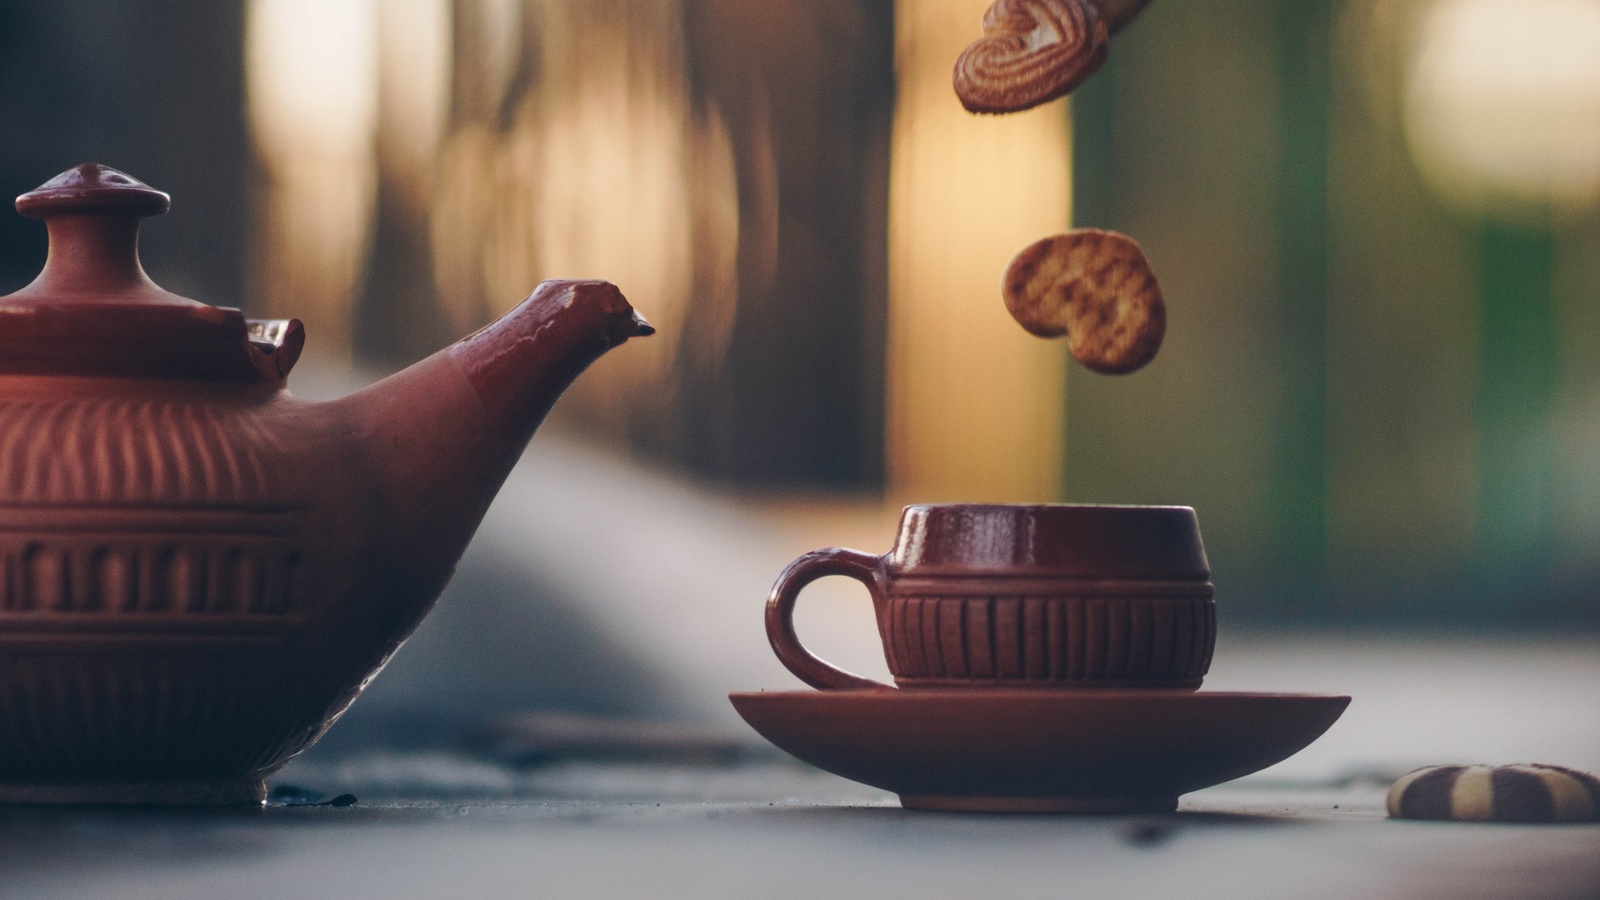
863	567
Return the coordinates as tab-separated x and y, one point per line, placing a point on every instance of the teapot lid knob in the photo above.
92	188
92	213
92	310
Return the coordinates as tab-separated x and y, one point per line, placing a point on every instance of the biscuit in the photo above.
1031	52
1095	287
1521	793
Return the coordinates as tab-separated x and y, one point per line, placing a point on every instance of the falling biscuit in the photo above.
1031	52
1096	288
1523	793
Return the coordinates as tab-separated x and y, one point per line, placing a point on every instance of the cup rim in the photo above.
1072	540
991	505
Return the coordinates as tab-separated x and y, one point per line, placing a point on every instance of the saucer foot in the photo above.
1078	805
250	792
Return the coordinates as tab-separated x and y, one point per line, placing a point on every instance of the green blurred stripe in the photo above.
1518	375
1297	498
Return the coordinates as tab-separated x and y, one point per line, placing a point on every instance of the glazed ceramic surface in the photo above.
1051	596
1104	751
198	571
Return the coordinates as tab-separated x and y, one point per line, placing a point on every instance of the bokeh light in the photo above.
1502	105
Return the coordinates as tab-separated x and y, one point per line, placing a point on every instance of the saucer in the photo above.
1076	751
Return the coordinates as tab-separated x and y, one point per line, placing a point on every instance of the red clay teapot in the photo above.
198	571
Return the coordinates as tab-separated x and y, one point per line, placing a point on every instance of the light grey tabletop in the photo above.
769	829
447	822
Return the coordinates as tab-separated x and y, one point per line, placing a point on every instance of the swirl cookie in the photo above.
1095	287
1522	793
1031	52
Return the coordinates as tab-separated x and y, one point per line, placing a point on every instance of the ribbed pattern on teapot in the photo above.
115	452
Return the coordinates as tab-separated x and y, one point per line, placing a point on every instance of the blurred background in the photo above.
1375	223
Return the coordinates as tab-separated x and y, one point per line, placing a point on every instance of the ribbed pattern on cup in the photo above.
1050	640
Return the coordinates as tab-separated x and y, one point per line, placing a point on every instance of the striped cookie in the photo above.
1031	52
1519	793
1095	287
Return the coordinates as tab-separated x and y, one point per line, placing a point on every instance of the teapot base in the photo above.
249	792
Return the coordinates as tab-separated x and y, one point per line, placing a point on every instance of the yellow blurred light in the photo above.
414	64
311	71
1502	105
976	405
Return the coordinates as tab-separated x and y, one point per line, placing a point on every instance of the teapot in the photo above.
198	571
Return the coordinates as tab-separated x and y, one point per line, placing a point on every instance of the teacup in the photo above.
1011	596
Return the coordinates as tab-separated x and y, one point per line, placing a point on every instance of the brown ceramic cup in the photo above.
1007	596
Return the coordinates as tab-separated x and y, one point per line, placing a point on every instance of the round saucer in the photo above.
997	750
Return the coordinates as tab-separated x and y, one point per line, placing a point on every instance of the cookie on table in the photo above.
1519	793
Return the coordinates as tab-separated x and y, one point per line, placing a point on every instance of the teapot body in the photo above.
178	568
198	571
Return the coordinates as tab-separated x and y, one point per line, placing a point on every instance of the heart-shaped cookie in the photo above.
1095	287
1031	52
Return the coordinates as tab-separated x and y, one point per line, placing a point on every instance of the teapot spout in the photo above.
441	436
520	365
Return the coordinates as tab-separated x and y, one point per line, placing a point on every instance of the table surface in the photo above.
771	829
452	821
459	822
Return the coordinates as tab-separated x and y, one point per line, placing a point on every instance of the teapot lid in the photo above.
93	311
